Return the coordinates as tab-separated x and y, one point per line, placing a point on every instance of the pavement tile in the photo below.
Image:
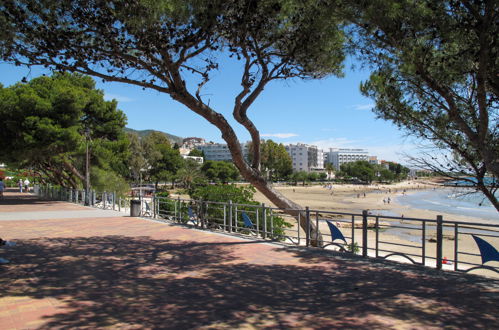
131	273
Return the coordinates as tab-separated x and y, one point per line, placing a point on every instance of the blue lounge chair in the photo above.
335	235
487	251
248	224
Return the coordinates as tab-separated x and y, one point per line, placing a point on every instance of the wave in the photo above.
436	203
441	200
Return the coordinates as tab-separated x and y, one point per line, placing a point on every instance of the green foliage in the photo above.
360	169
225	193
196	153
45	123
367	172
435	76
313	176
190	175
386	175
146	132
219	171
275	160
329	169
238	195
137	160
106	180
164	194
163	161
161	45
299	176
153	158
352	247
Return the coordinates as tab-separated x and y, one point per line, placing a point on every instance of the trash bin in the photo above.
135	208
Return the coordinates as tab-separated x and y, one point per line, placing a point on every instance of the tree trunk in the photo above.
289	207
488	193
251	174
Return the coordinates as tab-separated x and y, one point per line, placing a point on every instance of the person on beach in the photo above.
26	185
20	184
388	200
2	187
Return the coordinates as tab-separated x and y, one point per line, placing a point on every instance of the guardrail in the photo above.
438	243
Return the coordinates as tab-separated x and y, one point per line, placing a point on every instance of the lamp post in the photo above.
87	168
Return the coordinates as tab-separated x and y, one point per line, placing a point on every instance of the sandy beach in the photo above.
355	198
403	236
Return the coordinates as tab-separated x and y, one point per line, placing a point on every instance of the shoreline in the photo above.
405	233
350	198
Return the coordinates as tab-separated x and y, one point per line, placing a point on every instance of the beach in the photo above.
374	198
351	198
400	235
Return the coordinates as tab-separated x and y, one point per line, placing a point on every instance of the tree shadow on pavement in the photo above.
117	281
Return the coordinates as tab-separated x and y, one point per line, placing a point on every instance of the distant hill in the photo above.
145	132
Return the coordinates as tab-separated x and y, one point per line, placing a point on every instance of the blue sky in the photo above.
329	113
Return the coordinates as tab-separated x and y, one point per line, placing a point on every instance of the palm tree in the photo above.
330	170
189	174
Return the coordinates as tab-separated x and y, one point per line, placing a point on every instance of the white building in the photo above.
305	157
220	151
215	151
337	157
374	160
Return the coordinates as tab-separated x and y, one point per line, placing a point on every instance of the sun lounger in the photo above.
248	224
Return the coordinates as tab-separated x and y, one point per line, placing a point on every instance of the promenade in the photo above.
78	267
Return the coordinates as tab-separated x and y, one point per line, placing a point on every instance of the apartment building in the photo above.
215	151
305	157
220	151
337	157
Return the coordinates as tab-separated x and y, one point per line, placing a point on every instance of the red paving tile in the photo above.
134	273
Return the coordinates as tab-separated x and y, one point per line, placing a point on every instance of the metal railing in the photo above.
438	243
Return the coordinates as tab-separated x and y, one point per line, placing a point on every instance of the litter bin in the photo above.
135	208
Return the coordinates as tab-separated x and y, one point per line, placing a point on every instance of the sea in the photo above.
457	201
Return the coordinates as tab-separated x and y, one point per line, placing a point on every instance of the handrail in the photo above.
386	242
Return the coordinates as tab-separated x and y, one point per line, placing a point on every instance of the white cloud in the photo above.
119	98
363	106
280	135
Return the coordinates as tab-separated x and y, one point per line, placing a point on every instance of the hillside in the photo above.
142	133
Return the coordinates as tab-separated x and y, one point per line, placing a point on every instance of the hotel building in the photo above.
305	157
337	157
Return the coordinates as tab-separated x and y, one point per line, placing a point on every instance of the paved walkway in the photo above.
130	273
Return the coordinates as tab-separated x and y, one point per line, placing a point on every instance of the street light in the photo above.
87	168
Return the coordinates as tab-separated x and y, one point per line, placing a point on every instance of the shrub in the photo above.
238	195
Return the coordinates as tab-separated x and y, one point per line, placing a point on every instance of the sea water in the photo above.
457	201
